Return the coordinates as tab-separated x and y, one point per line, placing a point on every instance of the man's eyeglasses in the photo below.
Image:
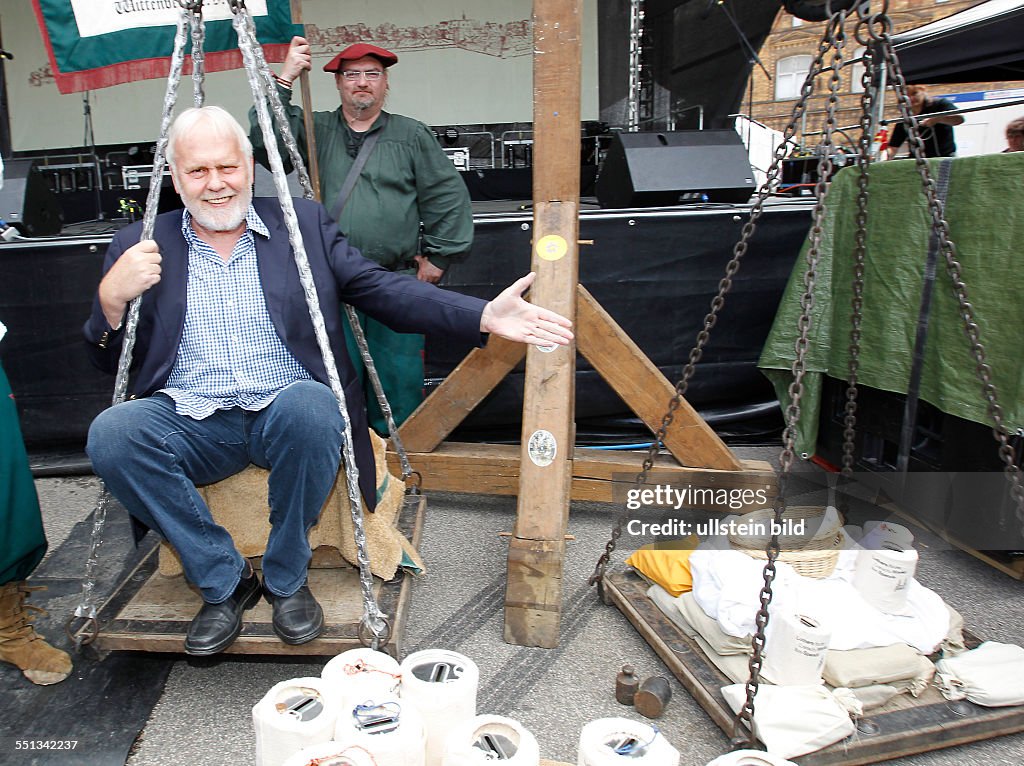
354	74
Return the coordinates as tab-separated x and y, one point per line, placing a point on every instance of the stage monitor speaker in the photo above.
659	169
27	202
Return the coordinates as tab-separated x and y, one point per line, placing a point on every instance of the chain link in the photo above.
197	30
744	733
717	303
86	608
256	72
867	107
412	479
871	29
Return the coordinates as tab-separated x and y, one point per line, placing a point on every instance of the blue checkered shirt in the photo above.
229	355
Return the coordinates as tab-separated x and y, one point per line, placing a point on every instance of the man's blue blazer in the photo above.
340	274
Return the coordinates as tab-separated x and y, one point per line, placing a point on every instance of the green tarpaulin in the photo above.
985	213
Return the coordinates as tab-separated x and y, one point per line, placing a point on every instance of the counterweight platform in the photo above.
902	727
149	612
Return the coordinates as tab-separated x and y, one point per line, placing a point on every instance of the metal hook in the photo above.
374	636
413	483
85	635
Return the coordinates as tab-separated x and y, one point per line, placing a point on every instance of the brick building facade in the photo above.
787	54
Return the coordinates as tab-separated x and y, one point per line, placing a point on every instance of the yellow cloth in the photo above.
239	504
667	564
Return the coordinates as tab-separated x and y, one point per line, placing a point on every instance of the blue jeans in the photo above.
152	458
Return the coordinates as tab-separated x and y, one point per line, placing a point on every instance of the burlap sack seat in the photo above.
239	504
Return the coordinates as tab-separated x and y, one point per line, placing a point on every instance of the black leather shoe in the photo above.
216	626
298	618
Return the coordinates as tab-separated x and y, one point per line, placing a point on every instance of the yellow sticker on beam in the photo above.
552	247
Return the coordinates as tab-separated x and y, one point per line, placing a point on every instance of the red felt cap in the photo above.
358	51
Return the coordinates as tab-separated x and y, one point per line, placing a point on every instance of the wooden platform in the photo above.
151	613
905	726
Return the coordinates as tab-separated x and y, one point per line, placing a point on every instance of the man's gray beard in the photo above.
214	224
361	109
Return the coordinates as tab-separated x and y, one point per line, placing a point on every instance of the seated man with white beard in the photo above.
226	371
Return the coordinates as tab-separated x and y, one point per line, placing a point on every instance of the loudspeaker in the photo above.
27	202
653	169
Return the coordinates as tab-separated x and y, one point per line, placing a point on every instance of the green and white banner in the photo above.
94	44
461	62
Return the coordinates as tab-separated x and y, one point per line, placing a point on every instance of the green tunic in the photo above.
22	540
407	179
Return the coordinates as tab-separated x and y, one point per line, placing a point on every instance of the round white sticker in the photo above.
542	448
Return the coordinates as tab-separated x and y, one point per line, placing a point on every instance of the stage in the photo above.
655	270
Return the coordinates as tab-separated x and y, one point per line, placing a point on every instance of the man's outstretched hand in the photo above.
513	318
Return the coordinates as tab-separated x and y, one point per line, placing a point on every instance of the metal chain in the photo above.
382	400
288	139
867	107
955	270
744	732
197	30
373	620
86	608
269	88
717	303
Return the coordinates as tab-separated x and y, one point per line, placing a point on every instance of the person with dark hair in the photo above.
1015	135
936	131
405	205
227	371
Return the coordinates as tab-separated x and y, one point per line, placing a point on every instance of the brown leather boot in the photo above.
20	644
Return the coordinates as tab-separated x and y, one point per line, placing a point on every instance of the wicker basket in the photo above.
813	556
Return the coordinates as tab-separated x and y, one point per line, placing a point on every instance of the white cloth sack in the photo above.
727	585
855	668
795	720
736	668
991	675
709	630
871	697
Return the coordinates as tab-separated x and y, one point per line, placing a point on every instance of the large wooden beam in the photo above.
641	385
533	597
462	390
597	475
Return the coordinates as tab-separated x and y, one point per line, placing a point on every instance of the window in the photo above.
856	72
790	74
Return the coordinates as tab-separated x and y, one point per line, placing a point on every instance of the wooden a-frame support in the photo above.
544	471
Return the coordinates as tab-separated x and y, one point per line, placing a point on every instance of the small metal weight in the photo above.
652	697
626	685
